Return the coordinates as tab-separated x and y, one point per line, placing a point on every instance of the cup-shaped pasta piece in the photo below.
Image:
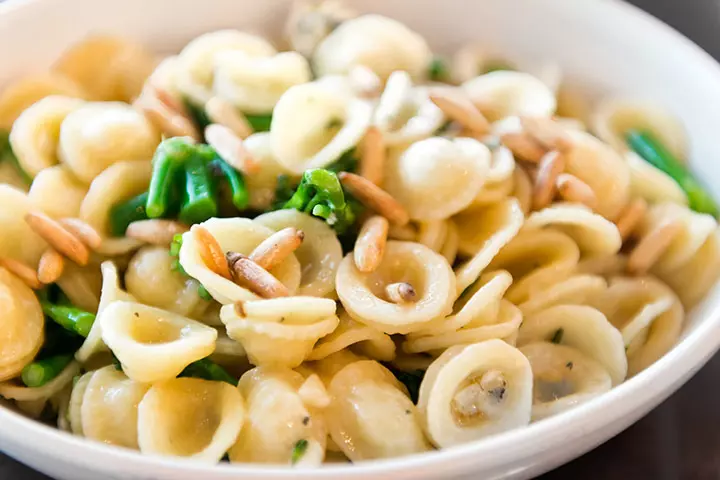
574	290
603	169
19	96
319	254
536	259
82	285
648	314
100	134
239	235
593	234
437	177
382	44
315	123
18	240
483	233
327	367
474	391
614	118
109	410
506	93
361	338
153	344
405	112
152	281
190	417
35	134
364	297
74	410
57	192
277	419
370	415
280	331
22	325
651	183
116	184
263	183
255	84
494	192
309	23
164	76
563	378
580	327
196	62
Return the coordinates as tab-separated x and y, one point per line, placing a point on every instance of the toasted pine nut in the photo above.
224	113
652	246
400	292
50	267
630	217
550	167
58	237
364	81
211	252
252	276
274	249
239	309
572	189
547	133
461	110
169	122
524	147
375	198
167	99
372	163
522	190
85	232
406	233
230	148
155	232
370	244
22	271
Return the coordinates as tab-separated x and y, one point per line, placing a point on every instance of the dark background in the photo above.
681	438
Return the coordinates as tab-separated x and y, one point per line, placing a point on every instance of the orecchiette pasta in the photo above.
349	333
18	240
651	183
262	184
190	417
574	290
473	391
57	192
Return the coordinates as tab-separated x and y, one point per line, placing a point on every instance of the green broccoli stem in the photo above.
208	370
647	146
70	318
37	374
199	203
123	214
169	158
238	190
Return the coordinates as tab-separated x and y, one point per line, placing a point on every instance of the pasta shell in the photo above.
454	405
370	416
363	294
109	411
153	344
82	285
563	378
36	132
18	240
319	254
382	44
100	134
116	184
583	328
651	183
255	84
190	417
280	331
350	334
310	22
436	178
164	76
57	192
74	412
239	235
263	183
575	290
315	123
196	62
277	419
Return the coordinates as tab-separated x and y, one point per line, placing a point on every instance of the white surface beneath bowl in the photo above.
602	46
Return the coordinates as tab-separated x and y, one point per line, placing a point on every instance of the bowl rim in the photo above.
651	386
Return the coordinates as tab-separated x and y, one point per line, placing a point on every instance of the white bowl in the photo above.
605	46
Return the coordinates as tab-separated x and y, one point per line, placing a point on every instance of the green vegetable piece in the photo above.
169	159
208	370
37	374
647	146
199	203
438	70
176	244
497	66
116	362
346	163
411	380
236	182
197	115
71	318
259	123
123	214
7	155
298	451
203	293
557	336
284	190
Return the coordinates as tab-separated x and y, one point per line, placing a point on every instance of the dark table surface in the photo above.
681	438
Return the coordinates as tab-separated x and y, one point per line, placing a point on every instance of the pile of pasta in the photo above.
512	257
